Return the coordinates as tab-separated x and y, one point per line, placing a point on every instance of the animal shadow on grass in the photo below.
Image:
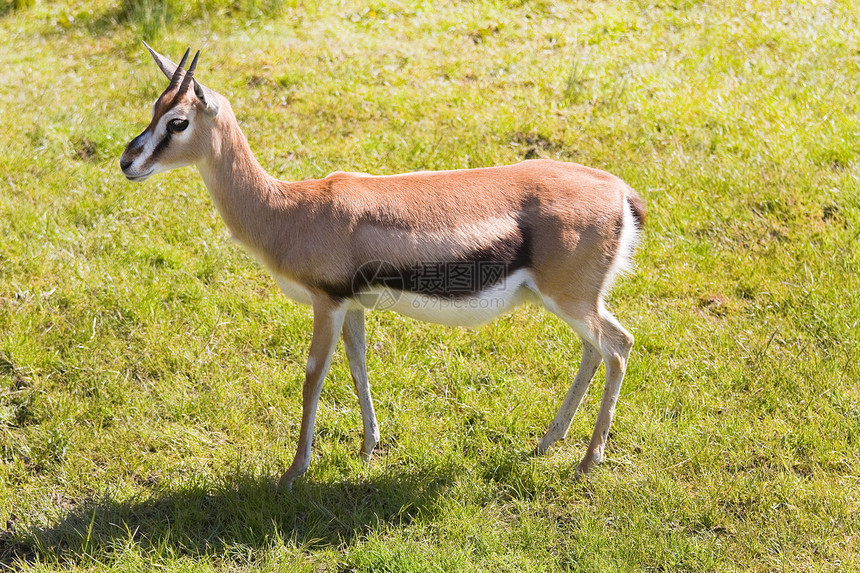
243	510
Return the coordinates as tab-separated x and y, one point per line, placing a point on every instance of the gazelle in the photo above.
452	247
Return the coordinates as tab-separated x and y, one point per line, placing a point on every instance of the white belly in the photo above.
460	311
471	310
293	290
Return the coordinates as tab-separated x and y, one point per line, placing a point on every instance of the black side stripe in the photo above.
462	277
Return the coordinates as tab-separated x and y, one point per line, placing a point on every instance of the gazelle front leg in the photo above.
356	348
328	319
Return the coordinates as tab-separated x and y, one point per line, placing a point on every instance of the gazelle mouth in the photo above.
137	178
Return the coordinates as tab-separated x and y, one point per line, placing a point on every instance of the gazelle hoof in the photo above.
285	484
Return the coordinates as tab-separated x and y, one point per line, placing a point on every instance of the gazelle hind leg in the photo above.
356	351
603	338
614	343
561	423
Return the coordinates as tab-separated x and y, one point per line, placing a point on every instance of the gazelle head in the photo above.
182	119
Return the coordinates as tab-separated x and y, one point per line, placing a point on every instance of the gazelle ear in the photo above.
207	97
167	67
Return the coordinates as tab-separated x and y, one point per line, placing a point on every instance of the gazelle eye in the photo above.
177	125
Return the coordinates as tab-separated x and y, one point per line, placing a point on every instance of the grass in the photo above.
150	373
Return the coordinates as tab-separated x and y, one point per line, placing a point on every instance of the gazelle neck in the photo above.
244	194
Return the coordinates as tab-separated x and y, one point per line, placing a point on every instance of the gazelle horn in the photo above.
189	74
176	75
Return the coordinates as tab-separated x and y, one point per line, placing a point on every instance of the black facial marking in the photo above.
159	149
137	142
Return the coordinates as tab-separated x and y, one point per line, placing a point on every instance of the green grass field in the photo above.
150	372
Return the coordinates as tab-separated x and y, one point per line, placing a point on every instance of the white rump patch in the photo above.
627	241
